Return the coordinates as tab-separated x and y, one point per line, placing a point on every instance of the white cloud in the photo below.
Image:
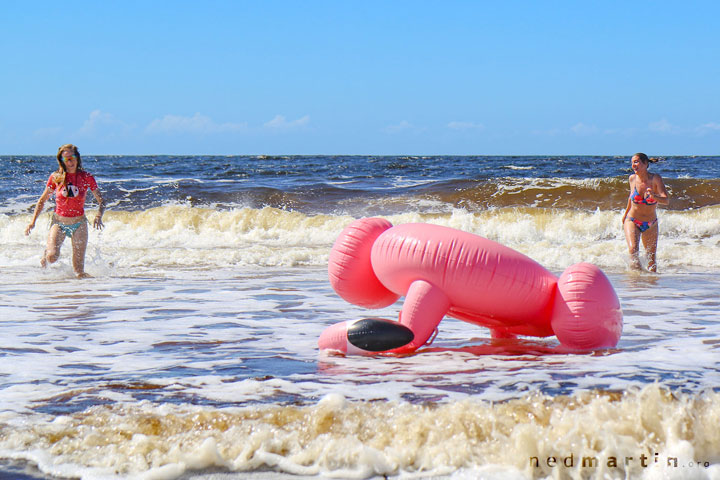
102	123
280	122
663	126
197	124
465	126
708	128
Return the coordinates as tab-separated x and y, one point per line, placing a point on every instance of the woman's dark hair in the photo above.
644	158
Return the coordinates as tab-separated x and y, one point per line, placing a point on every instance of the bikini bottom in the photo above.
68	230
643	226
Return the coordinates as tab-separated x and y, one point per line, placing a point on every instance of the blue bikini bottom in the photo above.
69	230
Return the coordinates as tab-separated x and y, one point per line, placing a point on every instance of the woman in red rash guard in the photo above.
70	184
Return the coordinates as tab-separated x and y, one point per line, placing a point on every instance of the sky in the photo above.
344	77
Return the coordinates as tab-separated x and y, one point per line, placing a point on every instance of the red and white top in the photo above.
70	198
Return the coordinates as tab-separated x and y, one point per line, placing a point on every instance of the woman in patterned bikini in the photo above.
647	190
70	184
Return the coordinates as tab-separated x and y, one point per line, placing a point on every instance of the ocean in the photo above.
192	352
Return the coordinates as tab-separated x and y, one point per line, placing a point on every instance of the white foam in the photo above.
592	435
188	237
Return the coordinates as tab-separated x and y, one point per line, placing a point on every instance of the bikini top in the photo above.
636	198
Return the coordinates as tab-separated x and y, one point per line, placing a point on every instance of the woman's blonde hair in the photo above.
59	175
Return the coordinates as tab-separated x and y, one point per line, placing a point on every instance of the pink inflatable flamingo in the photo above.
442	271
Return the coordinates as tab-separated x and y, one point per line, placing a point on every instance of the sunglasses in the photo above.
65	159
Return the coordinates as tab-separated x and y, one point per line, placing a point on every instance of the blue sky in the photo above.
360	77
